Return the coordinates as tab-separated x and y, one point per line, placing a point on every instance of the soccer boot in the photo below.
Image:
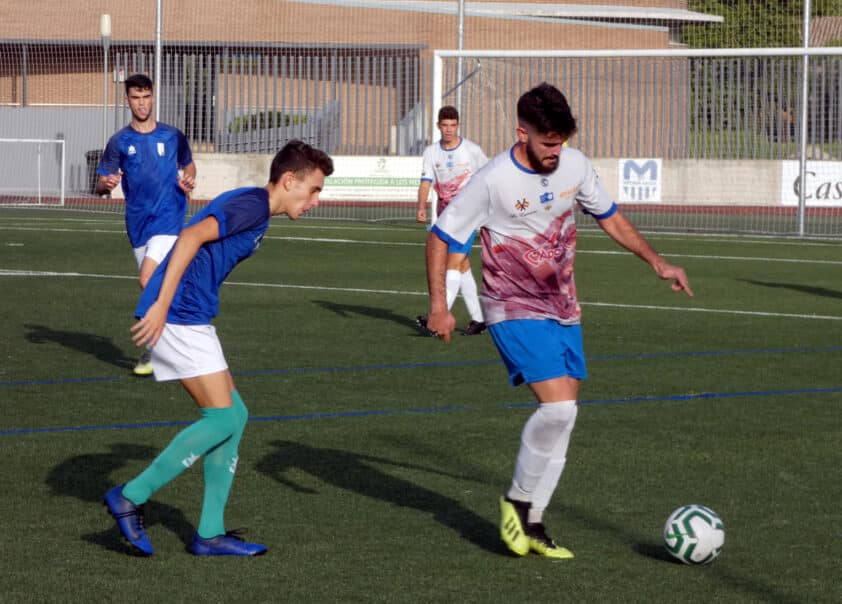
474	328
144	364
512	523
541	543
228	544
421	322
129	519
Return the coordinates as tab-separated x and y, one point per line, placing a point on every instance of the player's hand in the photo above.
421	215
148	330
676	274
187	183
441	324
112	180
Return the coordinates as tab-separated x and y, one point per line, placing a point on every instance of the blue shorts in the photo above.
455	248
535	350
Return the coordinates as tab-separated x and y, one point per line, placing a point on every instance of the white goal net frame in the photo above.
729	140
32	172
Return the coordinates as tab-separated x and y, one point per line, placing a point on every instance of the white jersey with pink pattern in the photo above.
528	233
450	169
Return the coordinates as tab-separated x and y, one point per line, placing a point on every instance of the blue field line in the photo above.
447	409
445	364
694	396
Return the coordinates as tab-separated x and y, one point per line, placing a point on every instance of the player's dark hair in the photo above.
448	112
545	109
138	80
299	157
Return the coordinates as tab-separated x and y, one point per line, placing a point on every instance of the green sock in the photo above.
220	466
215	427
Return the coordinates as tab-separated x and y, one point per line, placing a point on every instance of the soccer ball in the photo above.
694	534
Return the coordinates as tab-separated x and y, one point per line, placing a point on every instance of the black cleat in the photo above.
421	322
474	328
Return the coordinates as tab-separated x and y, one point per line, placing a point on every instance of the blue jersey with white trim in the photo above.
155	204
528	233
243	217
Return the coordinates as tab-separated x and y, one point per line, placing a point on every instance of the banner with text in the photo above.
822	187
371	178
640	180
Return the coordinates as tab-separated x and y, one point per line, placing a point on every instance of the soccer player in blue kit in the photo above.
522	201
153	164
175	312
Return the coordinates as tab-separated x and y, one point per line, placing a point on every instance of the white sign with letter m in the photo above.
640	180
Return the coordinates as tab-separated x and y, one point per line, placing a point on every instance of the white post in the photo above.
105	32
805	107
159	20
438	66
460	42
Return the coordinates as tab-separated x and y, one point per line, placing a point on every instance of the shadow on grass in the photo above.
344	310
806	289
743	587
99	347
357	473
87	478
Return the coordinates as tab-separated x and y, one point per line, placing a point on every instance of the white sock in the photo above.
545	437
469	294
552	473
452	282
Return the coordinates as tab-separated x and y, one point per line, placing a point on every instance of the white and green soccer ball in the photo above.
694	534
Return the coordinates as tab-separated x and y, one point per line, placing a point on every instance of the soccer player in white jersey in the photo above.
447	167
523	203
175	312
153	164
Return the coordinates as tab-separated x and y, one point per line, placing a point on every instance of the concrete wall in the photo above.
701	182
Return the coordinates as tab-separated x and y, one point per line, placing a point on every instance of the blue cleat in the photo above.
228	544
129	519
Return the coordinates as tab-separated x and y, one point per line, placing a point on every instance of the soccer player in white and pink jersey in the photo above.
522	201
447	167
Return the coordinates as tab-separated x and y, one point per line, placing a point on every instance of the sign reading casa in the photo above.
822	185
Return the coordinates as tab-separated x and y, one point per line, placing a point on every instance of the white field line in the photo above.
723	311
421	244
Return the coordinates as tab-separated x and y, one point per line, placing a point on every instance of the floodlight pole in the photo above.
105	32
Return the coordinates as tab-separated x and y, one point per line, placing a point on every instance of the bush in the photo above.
264	120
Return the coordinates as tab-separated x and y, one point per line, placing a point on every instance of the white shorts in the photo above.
156	248
187	351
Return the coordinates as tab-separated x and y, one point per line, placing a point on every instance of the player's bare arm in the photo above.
626	234
147	331
423	196
440	321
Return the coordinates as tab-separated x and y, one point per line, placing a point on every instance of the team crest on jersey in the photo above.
131	150
546	197
161	149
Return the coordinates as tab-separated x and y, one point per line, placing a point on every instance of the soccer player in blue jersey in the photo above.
153	164
522	201
175	312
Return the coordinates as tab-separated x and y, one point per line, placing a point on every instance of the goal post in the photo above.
32	172
743	140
